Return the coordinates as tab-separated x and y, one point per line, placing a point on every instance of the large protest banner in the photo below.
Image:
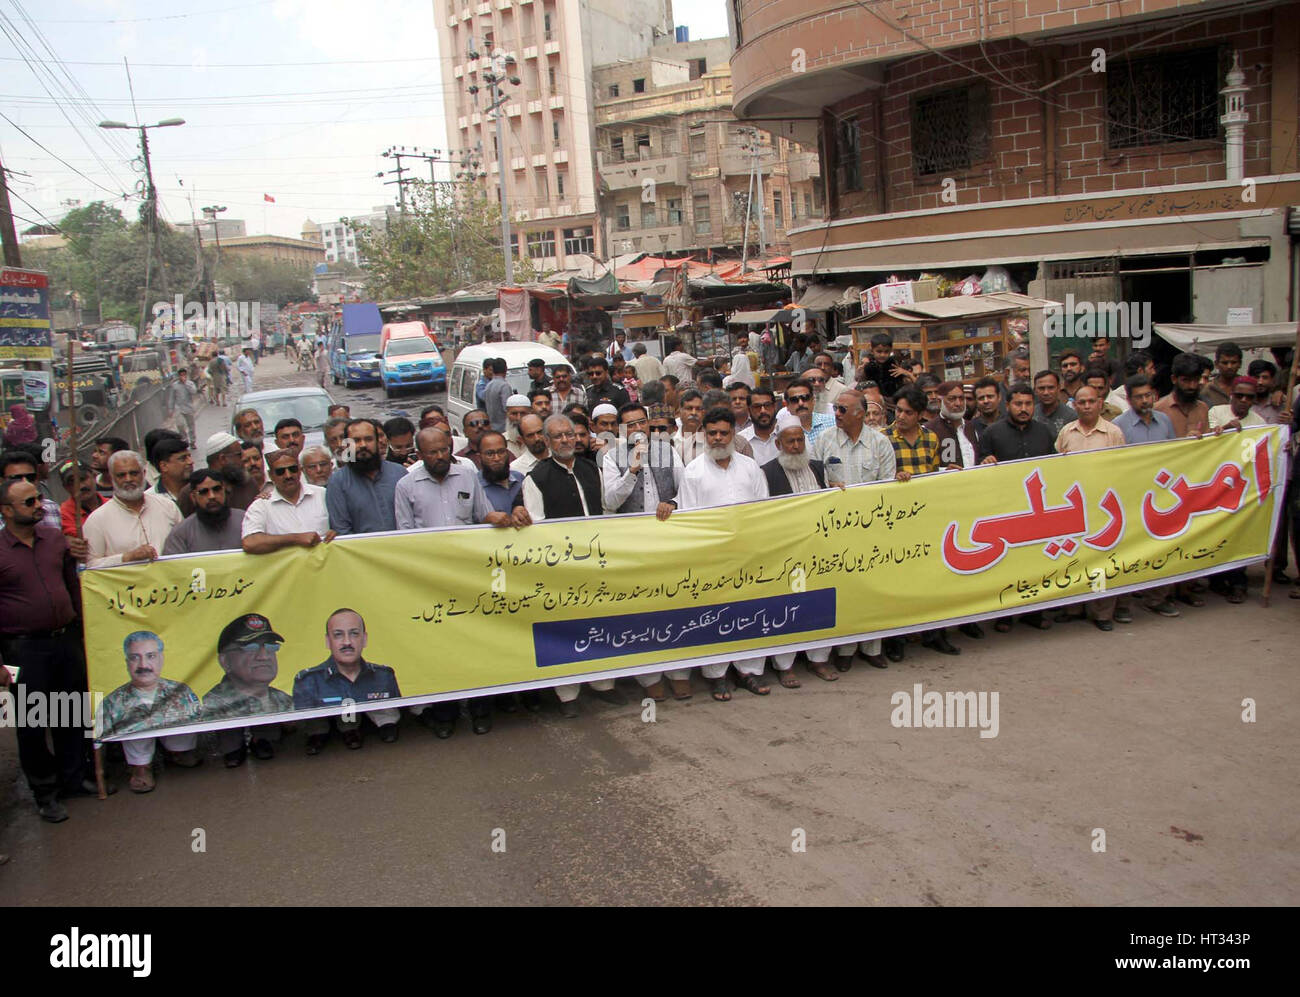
465	611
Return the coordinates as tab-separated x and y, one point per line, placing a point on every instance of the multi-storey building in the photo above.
677	170
547	126
1054	137
339	239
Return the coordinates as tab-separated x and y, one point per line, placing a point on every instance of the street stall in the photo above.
955	339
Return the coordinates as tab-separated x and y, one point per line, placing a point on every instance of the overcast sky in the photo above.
291	98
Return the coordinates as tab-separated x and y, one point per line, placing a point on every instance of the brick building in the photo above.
1059	138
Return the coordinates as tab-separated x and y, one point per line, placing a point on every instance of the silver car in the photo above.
310	406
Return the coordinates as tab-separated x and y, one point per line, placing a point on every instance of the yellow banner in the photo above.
467	611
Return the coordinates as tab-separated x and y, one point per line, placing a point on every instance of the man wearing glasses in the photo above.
40	601
247	650
799	403
562	391
294	516
476	423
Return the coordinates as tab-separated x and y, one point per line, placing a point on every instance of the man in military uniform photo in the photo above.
247	650
147	701
343	679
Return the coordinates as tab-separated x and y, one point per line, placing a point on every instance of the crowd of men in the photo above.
563	449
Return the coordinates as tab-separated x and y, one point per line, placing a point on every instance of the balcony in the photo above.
534	107
514	110
560	156
663	170
530	52
551	48
483	8
663	238
519	162
556	102
540	159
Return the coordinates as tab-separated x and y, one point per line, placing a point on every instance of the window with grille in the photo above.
616	149
559	184
675	211
613	90
794	211
579	240
848	160
950	130
638	85
776	211
642	140
648	219
550	76
540	245
622	218
703	224
1163	99
555	133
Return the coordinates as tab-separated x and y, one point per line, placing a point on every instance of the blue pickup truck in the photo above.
354	346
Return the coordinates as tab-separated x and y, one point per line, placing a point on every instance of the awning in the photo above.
753	318
821	297
1203	339
643	320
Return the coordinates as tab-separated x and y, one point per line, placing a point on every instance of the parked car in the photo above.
310	406
410	362
468	367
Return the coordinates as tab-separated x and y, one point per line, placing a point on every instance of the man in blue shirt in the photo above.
343	679
495	395
1142	423
503	486
360	493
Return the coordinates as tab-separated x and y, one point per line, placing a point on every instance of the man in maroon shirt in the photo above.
40	634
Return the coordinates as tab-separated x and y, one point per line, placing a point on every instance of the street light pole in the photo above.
150	205
495	77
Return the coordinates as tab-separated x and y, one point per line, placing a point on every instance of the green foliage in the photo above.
442	243
251	278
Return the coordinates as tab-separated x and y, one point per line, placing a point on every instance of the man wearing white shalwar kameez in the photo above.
720	476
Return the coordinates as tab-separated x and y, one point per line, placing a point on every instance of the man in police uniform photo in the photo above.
343	679
147	701
247	650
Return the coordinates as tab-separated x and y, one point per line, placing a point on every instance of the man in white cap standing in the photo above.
517	406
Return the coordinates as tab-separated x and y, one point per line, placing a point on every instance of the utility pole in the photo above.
12	254
495	76
150	208
401	181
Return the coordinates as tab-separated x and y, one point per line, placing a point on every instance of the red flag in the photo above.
268	197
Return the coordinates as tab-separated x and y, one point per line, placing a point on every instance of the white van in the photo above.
468	368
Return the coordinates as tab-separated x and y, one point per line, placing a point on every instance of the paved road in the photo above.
1138	733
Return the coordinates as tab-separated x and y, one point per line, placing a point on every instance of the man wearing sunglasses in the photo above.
247	650
294	516
213	525
799	402
476	423
40	601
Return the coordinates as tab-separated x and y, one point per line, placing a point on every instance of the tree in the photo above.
252	278
446	239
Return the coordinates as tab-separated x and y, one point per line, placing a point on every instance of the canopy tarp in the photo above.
1203	339
753	318
606	283
821	297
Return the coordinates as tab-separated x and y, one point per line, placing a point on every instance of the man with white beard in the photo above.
793	472
134	525
517	406
721	476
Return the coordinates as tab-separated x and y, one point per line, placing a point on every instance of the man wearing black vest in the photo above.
639	473
562	487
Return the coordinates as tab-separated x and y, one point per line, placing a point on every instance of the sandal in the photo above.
1003	626
787	679
141	779
828	674
721	690
1192	599
752	683
681	688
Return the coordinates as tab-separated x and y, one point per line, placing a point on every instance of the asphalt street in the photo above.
1138	733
